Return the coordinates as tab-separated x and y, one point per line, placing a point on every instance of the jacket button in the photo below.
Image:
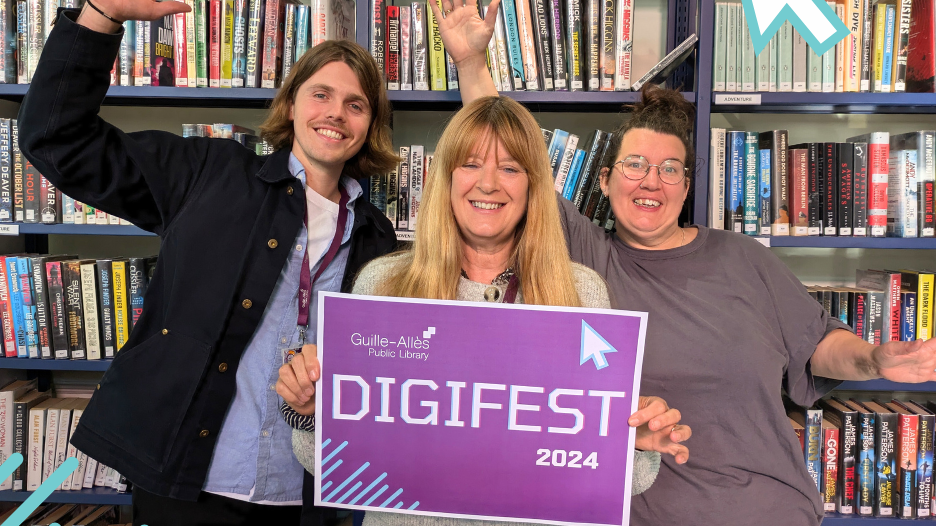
247	304
165	332
204	433
289	190
98	386
222	368
272	243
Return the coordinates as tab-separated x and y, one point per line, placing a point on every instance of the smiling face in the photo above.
331	117
647	211
489	195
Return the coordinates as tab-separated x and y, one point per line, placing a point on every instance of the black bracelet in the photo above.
105	15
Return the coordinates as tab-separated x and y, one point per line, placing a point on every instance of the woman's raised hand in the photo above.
124	10
464	33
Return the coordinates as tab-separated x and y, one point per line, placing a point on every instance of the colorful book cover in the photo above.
421	46
239	47
121	303
924	459
860	183
161	39
887	65
289	39
392	47
623	52
878	174
763	185
255	16
227	43
557	39
541	39
901	44
512	31
273	43
735	177
127	53
908	316
180	50
378	39
574	45
921	58
302	30
16	303
526	26
436	53
751	194
6	313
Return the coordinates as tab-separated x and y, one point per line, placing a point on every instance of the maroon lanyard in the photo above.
513	286
306	280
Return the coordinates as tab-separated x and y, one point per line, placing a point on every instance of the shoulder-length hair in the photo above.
376	155
433	265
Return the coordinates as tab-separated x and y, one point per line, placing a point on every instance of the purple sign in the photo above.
474	410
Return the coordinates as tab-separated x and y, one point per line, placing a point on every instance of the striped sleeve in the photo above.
297	421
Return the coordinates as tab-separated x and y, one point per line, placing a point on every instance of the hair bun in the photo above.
660	102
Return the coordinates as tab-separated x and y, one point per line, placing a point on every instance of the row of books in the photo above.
399	193
39	428
875	184
890	48
537	45
869	457
219	43
246	136
71	515
884	305
27	197
60	307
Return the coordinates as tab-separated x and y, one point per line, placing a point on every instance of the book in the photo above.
902	14
907	452
830	476
776	142
799	190
239	44
860	186
867	467
16	304
592	22
392	46
556	30
921	58
623	51
121	302
716	205
735	178
845	419
180	50
416	167
74	307
272	62
878	173
751	195
58	316
542	43
378	33
406	53
289	39
22	435
162	67
8	395
43	298
24	275
89	296
885	445
575	44
36	442
665	67
720	52
226	56
256	12
917	180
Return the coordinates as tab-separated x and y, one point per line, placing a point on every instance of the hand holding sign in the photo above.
297	379
658	429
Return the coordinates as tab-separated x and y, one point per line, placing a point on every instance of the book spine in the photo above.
20	437
716	208
901	198
735	177
731	48
24	274
575	172
813	446
51	439
16	302
420	47
925	466
525	22
607	64
866	464
908	316
30	192
403	182
860	183
926	175
924	328
302	30
623	52
814	67
879	18
751	199
845	153
574	43
378	32
866	40
239	46
878	154
848	464
126	54
6	313
37	427
416	166
437	73
814	224
41	300
512	40
190	45
764	184
828	63
50	203
593	29
591	168
392	48
901	46
138	38
885	445
6	173
799	191
121	303
830	472
136	270
906	465
841	50
72	451
406	53
57	310
214	59
800	66
34	36
497	52
541	38
73	308
921	61
830	183
887	66
180	50
163	52
61	439
289	40
854	21
227	42
558	49
780	190
720	52
565	162
272	44
786	57
255	14
90	309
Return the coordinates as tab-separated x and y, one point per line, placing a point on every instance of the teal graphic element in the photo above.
594	347
357	485
813	19
39	496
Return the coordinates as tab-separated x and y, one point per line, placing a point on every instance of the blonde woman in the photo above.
488	230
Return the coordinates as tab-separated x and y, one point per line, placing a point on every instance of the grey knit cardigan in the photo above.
593	293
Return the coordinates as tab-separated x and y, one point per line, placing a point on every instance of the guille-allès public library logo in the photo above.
39	496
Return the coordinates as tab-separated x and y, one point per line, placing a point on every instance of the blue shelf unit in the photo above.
34	364
832	103
851	520
85	230
886	243
100	496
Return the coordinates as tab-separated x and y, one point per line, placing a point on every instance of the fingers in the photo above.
680	433
650	407
446	7
680	452
490	19
161	9
287	386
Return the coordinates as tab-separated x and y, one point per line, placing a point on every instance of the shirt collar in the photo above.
350	185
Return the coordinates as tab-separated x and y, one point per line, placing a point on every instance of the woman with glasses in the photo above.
729	326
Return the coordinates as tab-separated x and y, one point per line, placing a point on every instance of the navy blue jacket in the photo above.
227	219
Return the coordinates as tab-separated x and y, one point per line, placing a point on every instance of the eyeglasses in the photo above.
636	167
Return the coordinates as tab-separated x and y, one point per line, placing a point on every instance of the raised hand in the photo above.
464	33
658	428
123	10
907	362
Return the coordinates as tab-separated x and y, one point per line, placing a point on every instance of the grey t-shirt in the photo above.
729	326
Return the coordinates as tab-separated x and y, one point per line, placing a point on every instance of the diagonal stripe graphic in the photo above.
347	494
42	493
413	507
335	465
369	487
395	495
346	482
375	495
398	505
333	453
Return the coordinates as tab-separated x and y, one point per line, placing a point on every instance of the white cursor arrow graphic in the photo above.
594	347
816	22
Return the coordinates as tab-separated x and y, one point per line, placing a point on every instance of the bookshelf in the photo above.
99	496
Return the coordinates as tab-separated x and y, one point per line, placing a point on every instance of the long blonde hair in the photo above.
432	267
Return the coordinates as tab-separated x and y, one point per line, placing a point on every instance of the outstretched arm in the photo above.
843	356
466	36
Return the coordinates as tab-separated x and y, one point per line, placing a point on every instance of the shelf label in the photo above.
747	99
9	230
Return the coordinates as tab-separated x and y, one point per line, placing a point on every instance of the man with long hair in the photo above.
188	411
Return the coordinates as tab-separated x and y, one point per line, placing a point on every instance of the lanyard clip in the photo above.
302	337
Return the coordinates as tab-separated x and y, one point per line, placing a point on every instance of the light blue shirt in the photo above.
253	455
